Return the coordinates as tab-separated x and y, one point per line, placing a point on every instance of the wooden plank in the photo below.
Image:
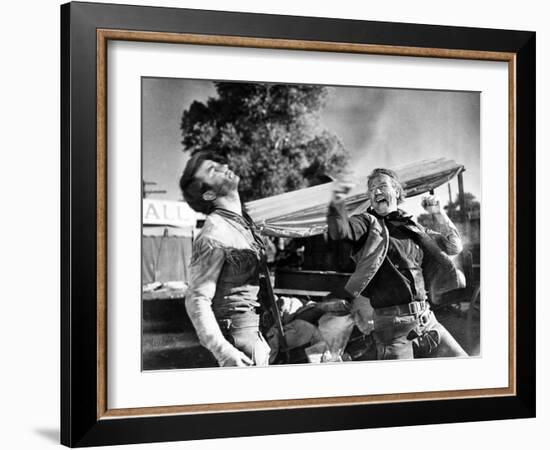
301	292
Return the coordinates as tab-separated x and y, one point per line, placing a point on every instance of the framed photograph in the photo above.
278	224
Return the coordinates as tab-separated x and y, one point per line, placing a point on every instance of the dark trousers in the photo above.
407	336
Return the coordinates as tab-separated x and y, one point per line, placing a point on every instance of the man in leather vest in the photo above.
398	265
222	299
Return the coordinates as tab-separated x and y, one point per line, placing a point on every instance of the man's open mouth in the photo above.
381	200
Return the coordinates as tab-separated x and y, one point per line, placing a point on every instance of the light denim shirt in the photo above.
224	279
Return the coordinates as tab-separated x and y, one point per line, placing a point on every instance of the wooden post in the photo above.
461	201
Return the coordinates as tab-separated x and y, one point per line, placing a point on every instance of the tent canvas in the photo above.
166	256
302	213
167	238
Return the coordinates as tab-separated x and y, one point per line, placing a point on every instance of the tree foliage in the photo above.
471	207
269	132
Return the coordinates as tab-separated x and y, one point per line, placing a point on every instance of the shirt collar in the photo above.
243	219
231	215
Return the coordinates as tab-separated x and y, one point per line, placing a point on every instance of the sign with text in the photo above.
168	212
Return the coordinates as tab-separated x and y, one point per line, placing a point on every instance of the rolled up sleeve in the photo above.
447	236
342	227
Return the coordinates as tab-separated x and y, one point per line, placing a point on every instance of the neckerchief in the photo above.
397	218
245	221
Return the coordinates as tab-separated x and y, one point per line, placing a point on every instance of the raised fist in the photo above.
431	204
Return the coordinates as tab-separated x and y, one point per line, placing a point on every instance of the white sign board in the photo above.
168	212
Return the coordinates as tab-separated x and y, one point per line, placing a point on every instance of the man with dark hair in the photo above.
222	300
397	264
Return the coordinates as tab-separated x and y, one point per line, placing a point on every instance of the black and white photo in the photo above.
295	224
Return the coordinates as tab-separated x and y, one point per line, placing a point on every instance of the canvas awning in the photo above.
302	213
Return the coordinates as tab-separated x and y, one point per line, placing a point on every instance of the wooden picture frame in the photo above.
86	418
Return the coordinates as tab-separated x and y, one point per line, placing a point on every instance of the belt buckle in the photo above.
413	308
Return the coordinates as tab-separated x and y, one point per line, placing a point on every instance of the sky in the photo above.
379	127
